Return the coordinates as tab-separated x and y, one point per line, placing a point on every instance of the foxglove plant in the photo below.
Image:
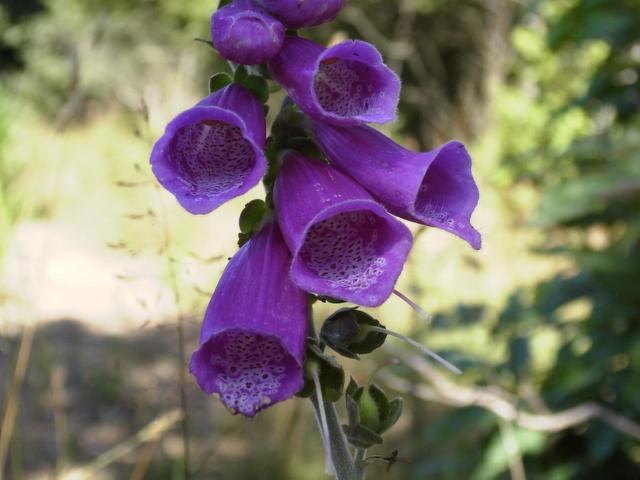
326	230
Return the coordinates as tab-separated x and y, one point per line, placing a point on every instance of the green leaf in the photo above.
240	74
330	374
361	437
352	387
393	414
256	85
369	412
251	216
219	81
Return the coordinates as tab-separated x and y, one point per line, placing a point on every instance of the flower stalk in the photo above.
345	468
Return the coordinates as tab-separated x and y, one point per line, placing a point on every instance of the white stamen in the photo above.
425	316
419	346
329	467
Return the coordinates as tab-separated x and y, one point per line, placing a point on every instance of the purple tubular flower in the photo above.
303	13
212	152
346	84
245	33
344	244
253	335
433	188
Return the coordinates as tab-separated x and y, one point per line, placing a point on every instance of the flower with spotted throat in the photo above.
253	335
213	151
344	243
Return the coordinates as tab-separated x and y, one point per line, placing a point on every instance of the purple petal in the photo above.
433	188
245	33
345	245
346	84
253	335
212	152
303	13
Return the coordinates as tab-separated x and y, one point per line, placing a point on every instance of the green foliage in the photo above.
589	175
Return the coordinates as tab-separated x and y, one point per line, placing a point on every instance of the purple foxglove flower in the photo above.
344	244
303	13
346	84
253	335
212	152
433	188
245	33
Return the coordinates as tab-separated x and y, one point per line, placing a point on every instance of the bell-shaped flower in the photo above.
212	152
303	13
344	244
434	188
253	335
346	84
245	33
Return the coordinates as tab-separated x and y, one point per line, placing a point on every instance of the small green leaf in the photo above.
219	81
352	387
394	412
243	238
369	413
256	85
330	374
240	74
361	437
382	403
252	215
353	411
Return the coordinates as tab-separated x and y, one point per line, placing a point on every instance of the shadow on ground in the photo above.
85	393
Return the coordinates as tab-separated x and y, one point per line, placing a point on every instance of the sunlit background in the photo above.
99	266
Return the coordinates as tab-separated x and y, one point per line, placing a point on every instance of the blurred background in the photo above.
102	274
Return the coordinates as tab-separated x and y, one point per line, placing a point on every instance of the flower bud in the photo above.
245	33
303	13
346	332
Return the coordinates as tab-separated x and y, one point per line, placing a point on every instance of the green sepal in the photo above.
346	332
222	3
394	412
330	374
252	215
329	299
351	387
240	73
219	81
257	85
357	434
273	166
368	409
251	219
243	238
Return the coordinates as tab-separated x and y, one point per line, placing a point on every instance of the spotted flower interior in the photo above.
249	371
211	157
349	88
346	251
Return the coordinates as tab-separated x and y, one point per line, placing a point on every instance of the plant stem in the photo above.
344	466
359	462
